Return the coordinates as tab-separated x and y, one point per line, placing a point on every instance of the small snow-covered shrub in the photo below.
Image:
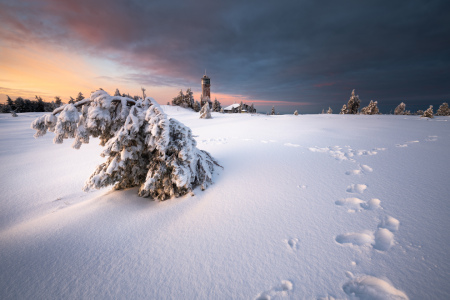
443	110
371	109
343	110
428	113
143	147
329	111
205	112
13	113
400	109
296	113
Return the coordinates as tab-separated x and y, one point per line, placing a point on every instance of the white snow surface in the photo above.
306	207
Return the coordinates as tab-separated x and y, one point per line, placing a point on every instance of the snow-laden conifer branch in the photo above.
142	146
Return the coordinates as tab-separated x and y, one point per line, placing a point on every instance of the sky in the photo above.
294	55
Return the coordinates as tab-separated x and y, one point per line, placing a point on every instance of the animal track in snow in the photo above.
432	138
278	291
381	240
353	172
291	145
292	244
356	188
362	169
372	204
356	238
370	287
302	186
389	223
356	204
344	154
401	145
216	141
366	169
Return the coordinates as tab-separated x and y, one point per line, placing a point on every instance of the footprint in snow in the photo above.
281	290
363	169
401	145
432	138
389	223
382	239
292	244
356	188
356	205
291	145
370	287
302	186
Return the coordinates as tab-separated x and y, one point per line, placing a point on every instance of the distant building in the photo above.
236	108
206	91
206	87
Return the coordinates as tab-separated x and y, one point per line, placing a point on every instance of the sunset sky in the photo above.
304	55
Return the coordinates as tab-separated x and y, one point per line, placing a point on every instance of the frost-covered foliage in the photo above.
329	111
371	109
142	146
353	104
205	112
428	113
343	110
295	113
443	110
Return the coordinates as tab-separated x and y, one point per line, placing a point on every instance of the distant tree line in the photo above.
21	105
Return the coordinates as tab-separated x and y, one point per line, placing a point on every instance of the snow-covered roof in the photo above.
235	105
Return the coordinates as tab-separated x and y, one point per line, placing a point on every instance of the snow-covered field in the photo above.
306	207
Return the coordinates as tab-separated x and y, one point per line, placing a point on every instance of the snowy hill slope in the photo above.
307	207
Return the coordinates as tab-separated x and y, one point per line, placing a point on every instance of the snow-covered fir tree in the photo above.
221	110
143	147
323	111
371	109
197	106
428	113
58	102
205	112
295	113
400	109
353	104
443	110
79	97
273	111
252	109
216	106
13	113
329	111
419	112
117	92
343	110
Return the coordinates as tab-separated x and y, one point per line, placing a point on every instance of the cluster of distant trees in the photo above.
353	104
186	100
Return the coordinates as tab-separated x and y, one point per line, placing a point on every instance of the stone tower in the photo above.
206	86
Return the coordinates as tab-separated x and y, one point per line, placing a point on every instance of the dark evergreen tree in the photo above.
79	97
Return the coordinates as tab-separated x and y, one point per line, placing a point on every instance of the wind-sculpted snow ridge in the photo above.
142	145
372	288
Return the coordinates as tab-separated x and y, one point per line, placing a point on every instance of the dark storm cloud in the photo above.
299	51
